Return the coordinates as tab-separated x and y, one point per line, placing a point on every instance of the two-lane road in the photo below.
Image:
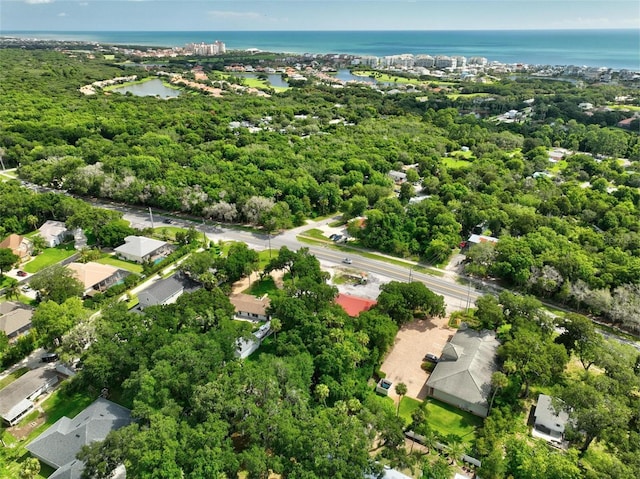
441	285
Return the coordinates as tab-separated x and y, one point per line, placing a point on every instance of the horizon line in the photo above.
342	30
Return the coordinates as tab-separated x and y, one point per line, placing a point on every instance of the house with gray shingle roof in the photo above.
462	377
16	399
166	291
141	249
59	444
15	319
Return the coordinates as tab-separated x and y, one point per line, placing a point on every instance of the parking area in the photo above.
413	342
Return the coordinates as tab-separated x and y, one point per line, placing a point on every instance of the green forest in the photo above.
303	407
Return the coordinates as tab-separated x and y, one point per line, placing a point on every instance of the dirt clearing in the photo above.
414	340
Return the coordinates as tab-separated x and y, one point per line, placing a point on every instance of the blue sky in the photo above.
226	15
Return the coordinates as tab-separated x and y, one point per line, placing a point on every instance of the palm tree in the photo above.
276	326
401	390
13	290
498	381
456	449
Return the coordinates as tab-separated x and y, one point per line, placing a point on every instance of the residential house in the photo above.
79	239
141	249
15	319
246	346
549	423
58	445
398	177
16	400
166	291
477	239
388	473
354	305
462	377
96	276
626	123
54	233
249	307
19	245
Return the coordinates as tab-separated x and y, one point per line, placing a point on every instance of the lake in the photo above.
153	87
275	79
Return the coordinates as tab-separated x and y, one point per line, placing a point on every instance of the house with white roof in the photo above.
58	445
462	377
549	420
141	249
54	233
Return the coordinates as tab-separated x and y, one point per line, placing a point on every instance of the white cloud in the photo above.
232	14
62	14
36	2
83	4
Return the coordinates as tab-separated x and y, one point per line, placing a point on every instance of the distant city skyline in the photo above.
287	15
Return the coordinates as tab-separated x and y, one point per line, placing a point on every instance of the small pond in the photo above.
153	87
275	79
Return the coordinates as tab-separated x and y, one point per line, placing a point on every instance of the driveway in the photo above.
414	340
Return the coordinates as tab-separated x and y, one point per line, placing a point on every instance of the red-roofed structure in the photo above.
354	305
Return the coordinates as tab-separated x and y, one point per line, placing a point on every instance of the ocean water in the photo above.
609	48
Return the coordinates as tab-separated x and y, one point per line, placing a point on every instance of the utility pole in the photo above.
410	273
1	161
151	216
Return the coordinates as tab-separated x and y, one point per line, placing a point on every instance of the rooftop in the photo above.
12	242
90	274
14	316
162	290
482	239
59	444
247	303
466	366
21	389
354	305
139	246
52	228
546	415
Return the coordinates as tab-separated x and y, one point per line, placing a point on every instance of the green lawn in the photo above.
304	238
5	281
167	233
49	257
265	256
455	162
118	263
407	406
455	96
260	288
446	419
12	377
383	77
624	107
316	233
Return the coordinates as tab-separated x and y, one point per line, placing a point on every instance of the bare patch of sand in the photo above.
413	341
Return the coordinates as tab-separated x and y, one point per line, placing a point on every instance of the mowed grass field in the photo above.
49	257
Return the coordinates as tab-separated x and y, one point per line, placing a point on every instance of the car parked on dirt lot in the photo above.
431	358
22	274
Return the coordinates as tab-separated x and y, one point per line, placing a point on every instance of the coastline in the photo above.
616	49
